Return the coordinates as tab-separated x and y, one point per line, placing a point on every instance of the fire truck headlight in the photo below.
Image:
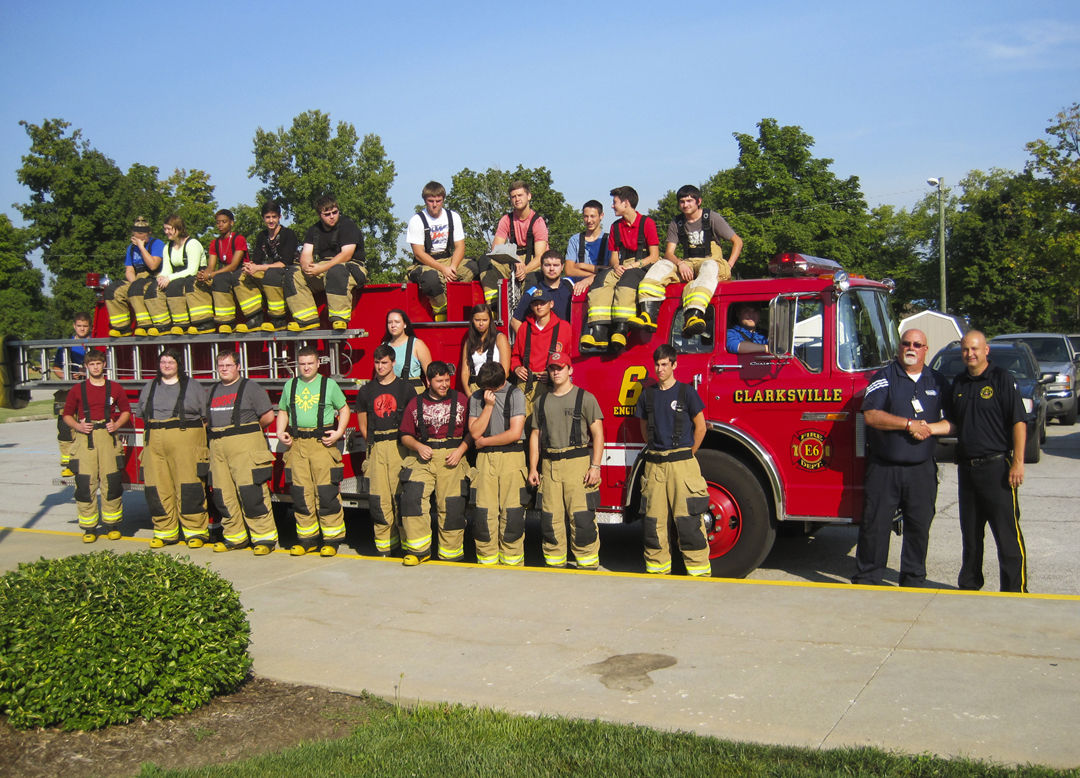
841	282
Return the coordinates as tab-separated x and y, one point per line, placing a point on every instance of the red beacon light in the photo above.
791	264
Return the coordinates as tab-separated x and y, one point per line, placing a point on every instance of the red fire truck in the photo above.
785	439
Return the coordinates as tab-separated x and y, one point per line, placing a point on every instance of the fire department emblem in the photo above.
810	450
986	392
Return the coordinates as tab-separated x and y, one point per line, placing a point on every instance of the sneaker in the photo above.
89	537
114	534
177	330
340	325
196	543
412	560
295	326
224	329
67	472
328	551
297	550
262	550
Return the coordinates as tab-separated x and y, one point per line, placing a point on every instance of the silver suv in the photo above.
1056	355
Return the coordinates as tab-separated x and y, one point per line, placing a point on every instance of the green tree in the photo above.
190	194
779	197
482	199
299	164
21	302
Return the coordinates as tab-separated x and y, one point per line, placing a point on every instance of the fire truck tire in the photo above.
743	530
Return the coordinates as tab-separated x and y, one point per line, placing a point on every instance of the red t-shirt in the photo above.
541	343
628	235
436	417
95	396
224	248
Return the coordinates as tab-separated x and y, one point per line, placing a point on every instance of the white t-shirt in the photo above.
414	235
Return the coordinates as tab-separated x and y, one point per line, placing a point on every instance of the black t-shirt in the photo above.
282	249
984	408
384	404
327	241
663	409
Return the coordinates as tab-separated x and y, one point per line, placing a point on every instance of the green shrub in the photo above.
101	639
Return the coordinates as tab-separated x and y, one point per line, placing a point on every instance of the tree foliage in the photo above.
482	198
21	302
307	160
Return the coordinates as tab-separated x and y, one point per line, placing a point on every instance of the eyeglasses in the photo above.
912	344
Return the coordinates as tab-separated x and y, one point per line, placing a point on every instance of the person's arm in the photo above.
534	457
340	258
736	250
479	423
699	431
466	365
423	353
307	260
502	345
267	419
653	241
333	436
459	247
283	435
596	432
1019	439
112	425
234	260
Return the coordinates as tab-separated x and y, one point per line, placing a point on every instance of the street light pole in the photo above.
939	182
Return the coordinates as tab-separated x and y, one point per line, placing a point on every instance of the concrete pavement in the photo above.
988	676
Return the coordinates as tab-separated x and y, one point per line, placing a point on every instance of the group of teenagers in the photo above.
524	436
174	287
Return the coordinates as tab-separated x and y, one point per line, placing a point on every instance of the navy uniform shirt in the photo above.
664	413
984	409
892	390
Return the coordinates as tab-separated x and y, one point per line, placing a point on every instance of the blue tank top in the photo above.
399	360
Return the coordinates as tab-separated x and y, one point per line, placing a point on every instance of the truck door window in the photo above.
866	333
698	344
807	340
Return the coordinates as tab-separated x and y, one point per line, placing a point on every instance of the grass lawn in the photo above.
33	408
453	740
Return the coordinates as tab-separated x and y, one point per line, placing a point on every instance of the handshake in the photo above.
918	429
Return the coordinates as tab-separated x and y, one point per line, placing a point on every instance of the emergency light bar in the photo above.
790	264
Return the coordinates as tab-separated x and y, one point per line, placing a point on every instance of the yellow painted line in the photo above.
643	576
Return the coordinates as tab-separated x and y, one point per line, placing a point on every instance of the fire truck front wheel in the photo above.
741	528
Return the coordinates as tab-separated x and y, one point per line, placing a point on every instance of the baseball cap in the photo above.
541	294
558	358
141	224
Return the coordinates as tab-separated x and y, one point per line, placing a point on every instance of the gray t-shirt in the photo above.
221	399
559	416
695	232
165	397
497	424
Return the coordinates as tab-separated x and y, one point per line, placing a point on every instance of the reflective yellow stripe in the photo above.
120	320
237	537
250	305
452	554
517	559
142	317
624	311
88	521
199	312
113	517
271	536
588	561
555	559
306	313
1020	540
330	533
658	567
699	570
420	544
307	531
275	307
221	310
487	560
166	535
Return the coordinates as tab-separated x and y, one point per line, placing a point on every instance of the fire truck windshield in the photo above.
866	333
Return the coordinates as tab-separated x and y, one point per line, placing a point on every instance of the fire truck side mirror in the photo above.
782	314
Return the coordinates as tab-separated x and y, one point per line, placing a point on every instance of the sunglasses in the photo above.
912	344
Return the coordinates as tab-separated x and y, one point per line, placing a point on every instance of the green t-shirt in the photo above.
307	401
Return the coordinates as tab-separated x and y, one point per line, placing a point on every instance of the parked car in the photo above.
1018	359
1056	355
1074	338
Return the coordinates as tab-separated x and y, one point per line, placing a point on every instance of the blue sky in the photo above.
603	96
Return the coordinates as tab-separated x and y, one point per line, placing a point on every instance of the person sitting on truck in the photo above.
697	231
70	357
96	408
634	246
544	333
331	260
434	431
174	456
438	245
483	344
241	463
743	336
313	449
673	490
521	236
550	276
184	256
412	354
587	252
570	477
380	406
262	279
497	427
142	260
228	252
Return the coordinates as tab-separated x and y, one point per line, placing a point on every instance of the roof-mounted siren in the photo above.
792	264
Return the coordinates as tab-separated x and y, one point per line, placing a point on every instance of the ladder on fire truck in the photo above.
269	358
